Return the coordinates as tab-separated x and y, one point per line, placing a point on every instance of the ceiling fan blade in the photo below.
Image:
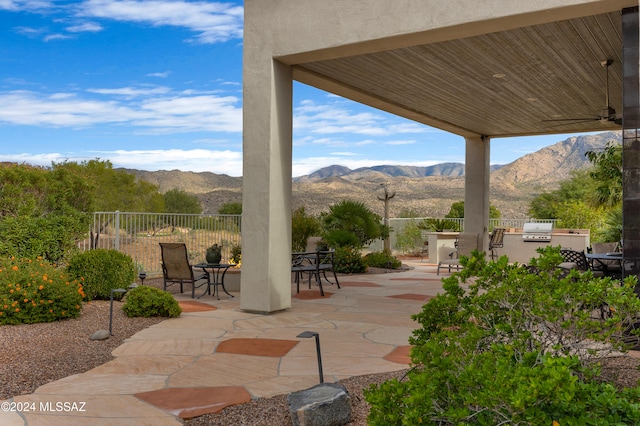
574	119
607	114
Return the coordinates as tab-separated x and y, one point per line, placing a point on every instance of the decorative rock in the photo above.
326	404
100	335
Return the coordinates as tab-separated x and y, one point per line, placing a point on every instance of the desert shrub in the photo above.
236	254
517	347
33	291
52	238
348	260
409	239
382	259
303	226
145	301
102	271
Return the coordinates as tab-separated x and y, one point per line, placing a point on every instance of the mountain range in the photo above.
426	191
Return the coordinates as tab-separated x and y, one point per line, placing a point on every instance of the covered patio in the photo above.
481	71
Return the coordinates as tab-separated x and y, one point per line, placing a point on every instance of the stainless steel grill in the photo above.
537	232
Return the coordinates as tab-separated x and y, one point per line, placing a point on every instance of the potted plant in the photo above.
214	254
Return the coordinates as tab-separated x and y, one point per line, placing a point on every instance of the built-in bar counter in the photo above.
515	248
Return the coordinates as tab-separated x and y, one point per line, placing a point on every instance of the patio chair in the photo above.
607	267
467	242
176	268
574	259
314	263
496	241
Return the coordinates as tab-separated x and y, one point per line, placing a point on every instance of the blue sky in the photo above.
157	85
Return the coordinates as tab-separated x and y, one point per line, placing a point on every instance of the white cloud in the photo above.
159	74
155	115
85	27
51	37
35	159
131	91
212	21
29	31
28	5
336	117
401	142
196	160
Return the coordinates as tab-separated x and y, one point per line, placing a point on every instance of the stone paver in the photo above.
182	367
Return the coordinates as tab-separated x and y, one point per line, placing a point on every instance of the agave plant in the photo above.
439	225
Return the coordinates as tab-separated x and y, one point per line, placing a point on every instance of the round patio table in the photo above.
215	277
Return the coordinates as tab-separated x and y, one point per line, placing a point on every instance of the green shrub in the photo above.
236	254
33	291
409	239
517	347
145	301
102	271
52	238
351	223
382	259
348	260
303	226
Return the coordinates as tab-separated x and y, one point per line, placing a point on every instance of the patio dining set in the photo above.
176	269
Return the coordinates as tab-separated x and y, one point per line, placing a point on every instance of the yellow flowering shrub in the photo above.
33	290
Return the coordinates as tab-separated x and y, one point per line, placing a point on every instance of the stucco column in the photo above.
265	284
476	189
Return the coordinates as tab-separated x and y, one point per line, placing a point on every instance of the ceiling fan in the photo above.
607	114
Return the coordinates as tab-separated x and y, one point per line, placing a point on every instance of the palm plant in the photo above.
351	223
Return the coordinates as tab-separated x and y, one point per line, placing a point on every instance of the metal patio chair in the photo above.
176	268
496	241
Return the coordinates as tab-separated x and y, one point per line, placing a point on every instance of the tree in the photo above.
548	205
179	201
43	211
113	190
230	208
578	214
607	173
457	211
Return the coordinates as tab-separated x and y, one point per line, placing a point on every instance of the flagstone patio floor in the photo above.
215	355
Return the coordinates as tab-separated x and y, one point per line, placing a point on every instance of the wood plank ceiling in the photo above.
500	84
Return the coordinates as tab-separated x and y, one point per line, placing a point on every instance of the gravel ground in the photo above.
32	355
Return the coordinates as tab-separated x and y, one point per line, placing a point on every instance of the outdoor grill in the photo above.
537	232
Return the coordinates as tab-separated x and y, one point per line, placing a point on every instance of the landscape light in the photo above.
306	335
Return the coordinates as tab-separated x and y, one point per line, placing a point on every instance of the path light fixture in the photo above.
306	335
113	290
142	275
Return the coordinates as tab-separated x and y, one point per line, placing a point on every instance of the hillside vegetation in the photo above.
429	191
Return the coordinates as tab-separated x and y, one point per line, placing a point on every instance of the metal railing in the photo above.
398	226
138	235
